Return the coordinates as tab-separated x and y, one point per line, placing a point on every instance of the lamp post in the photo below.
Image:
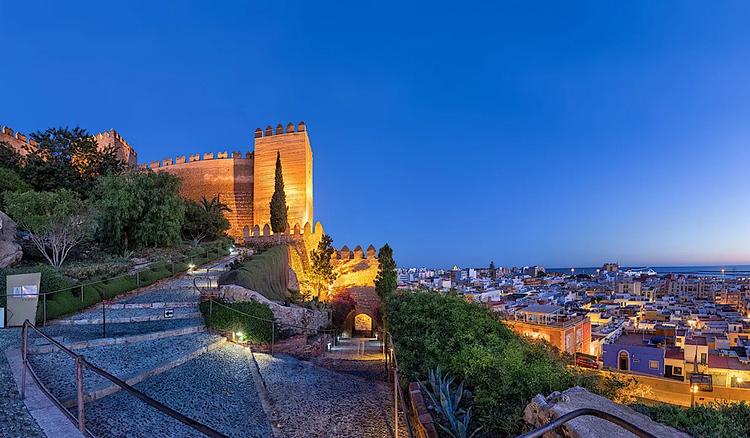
693	390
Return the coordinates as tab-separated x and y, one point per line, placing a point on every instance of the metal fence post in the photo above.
104	320
273	335
79	379
395	402
138	278
44	303
82	300
211	308
24	333
173	269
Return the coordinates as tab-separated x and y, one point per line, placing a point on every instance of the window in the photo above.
703	358
677	371
653	364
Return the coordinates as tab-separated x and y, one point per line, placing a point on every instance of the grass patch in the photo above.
263	273
255	328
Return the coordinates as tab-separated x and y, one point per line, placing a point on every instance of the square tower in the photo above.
296	166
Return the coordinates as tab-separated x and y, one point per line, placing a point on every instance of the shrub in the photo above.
256	328
263	273
466	340
89	271
713	420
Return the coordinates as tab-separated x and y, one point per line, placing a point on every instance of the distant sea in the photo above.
730	271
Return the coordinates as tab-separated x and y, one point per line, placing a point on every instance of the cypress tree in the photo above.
278	205
386	281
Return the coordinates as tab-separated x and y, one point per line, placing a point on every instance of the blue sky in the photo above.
524	132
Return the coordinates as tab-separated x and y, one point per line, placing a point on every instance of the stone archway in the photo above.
362	326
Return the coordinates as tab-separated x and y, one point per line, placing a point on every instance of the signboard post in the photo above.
23	297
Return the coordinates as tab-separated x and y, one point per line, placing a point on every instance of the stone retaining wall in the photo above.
424	425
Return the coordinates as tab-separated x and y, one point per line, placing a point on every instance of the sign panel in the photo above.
168	313
23	296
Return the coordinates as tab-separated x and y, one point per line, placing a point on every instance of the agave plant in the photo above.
446	399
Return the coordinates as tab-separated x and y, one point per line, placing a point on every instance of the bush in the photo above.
255	328
90	271
263	273
52	279
503	371
713	420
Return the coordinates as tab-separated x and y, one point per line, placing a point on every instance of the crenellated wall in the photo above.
355	267
18	141
231	179
123	150
296	162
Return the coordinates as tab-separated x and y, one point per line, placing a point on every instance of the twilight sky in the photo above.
545	133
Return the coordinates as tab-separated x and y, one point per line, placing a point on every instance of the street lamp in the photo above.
693	390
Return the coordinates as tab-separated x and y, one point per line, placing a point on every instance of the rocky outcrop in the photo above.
542	410
10	251
287	315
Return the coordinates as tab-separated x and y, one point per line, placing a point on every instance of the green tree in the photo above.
139	209
386	280
9	157
322	274
10	181
56	221
204	220
69	159
278	206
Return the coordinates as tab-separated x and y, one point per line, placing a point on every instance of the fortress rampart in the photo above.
18	141
23	144
245	182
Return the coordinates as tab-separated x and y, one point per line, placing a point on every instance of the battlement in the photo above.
208	156
345	254
280	130
17	140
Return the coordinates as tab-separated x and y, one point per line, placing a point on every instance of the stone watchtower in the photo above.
296	163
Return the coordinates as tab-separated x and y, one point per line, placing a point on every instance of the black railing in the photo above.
558	422
398	394
80	420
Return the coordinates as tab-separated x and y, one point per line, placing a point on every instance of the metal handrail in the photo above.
108	278
81	363
558	422
399	394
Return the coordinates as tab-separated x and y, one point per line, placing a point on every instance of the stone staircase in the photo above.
157	342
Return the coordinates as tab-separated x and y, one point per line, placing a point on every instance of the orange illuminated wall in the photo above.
296	164
569	337
229	178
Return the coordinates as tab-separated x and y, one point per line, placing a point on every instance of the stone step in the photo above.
40	345
154	305
133	315
131	362
66	333
216	389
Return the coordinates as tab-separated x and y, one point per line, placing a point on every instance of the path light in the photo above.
191	266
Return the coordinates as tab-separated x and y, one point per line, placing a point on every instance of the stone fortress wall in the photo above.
211	175
246	182
23	144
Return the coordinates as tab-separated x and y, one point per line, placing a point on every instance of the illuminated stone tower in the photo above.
296	163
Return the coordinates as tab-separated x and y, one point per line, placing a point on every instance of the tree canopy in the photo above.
278	205
386	280
139	209
322	274
56	221
10	181
67	159
204	220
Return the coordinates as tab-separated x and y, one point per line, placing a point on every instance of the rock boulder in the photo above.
542	410
10	251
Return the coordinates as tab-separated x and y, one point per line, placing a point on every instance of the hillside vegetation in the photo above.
263	273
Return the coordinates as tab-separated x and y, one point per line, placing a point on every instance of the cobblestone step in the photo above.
216	389
132	362
297	386
134	315
42	346
66	333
